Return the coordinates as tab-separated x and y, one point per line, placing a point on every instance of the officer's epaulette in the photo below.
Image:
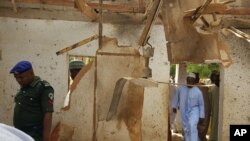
45	83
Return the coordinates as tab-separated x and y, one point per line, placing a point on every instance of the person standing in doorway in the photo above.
189	99
203	126
74	68
33	103
215	79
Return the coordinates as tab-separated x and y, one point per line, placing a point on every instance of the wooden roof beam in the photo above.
50	2
221	9
151	17
118	8
140	8
86	9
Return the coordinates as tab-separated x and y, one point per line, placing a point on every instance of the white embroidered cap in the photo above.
191	75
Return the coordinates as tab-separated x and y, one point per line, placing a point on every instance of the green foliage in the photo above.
203	69
172	70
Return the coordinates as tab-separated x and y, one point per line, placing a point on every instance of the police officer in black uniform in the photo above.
33	103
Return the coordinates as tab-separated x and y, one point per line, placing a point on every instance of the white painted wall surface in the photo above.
235	98
39	40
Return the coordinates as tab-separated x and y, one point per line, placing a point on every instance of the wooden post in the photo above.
154	11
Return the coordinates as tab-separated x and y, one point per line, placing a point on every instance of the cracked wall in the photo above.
39	40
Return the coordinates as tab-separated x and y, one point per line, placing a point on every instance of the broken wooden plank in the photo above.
152	15
227	2
86	9
199	10
205	22
239	33
78	44
221	9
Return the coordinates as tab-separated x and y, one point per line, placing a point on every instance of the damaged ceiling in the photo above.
205	20
76	10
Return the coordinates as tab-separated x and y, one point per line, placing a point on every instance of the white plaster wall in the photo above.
235	98
155	110
39	40
155	114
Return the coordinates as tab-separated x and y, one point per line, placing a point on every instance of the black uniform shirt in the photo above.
32	102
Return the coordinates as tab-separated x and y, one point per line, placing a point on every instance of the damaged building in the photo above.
128	46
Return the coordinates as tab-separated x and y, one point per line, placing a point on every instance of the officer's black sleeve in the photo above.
47	99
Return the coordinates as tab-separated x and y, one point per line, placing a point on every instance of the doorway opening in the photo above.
80	58
178	72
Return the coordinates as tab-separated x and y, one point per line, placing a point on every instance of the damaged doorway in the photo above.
210	92
85	59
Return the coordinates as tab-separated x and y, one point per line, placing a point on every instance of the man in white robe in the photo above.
189	101
9	133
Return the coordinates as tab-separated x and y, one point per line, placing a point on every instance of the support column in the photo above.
181	73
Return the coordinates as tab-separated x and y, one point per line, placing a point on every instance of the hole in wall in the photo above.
76	63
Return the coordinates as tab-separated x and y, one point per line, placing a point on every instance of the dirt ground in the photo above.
177	137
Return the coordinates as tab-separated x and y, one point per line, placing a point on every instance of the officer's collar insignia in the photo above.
51	96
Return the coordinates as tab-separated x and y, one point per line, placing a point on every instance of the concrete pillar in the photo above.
180	77
181	73
234	91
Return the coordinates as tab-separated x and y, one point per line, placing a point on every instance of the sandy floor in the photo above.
176	137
